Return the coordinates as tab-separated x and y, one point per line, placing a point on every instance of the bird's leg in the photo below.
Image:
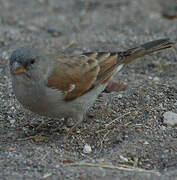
41	125
69	122
79	119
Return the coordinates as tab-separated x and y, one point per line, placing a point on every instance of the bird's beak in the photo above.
17	68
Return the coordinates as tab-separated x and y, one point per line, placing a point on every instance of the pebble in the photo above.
156	78
163	128
123	158
145	143
32	28
12	121
170	118
120	96
87	149
5	55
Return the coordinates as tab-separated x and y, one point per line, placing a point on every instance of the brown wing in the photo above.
73	75
80	73
108	63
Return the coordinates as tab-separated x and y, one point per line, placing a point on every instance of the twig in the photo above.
72	43
117	119
121	167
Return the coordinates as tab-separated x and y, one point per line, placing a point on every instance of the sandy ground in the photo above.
125	130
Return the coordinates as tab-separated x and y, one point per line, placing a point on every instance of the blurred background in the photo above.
85	24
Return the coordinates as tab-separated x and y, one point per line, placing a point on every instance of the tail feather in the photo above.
110	63
144	49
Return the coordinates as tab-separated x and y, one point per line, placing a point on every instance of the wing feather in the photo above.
77	75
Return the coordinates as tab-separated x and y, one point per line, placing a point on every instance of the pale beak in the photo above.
17	68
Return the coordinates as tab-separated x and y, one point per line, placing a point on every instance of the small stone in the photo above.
163	128
53	31
120	96
33	28
123	158
47	175
170	118
87	149
12	121
156	78
5	55
41	1
148	124
145	143
166	151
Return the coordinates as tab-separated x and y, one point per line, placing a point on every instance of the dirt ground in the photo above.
124	135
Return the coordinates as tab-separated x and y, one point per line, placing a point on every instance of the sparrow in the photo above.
63	85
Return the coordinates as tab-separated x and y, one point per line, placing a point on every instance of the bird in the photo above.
62	85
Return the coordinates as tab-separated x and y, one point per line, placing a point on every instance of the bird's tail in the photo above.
144	49
110	63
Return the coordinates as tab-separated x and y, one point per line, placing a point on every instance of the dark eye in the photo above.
32	61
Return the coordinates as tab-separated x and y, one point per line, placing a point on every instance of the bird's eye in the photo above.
32	61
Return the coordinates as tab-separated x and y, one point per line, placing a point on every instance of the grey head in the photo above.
29	64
